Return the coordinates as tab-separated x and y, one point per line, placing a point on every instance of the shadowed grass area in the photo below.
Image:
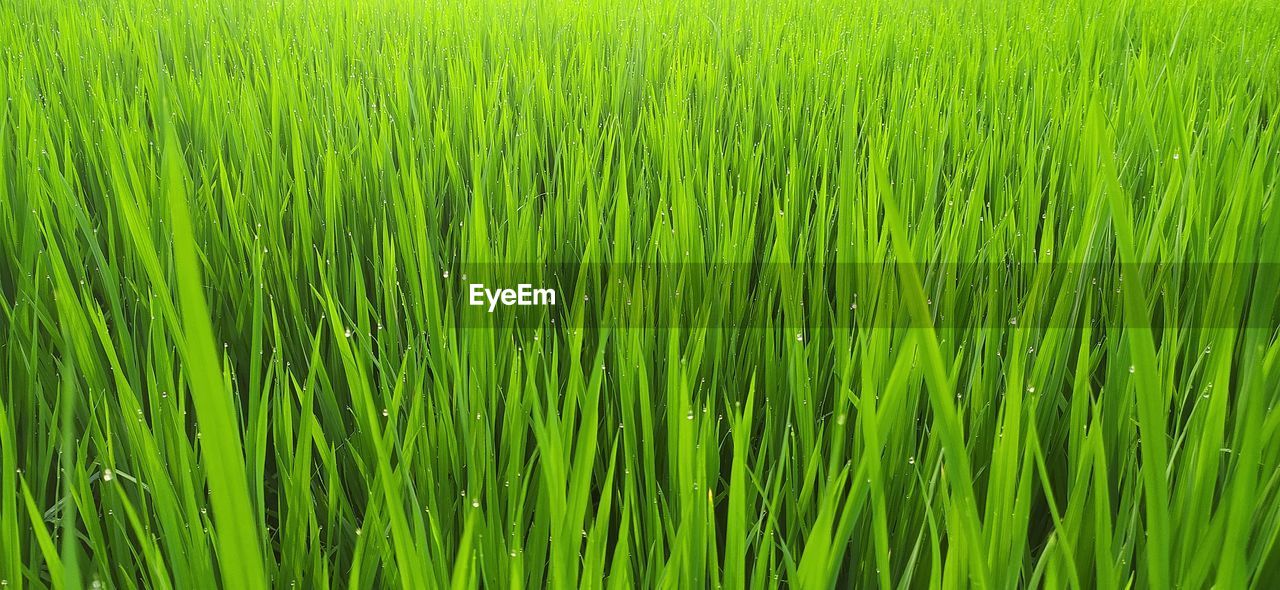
236	241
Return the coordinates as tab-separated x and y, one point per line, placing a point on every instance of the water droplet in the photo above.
385	413
911	460
1132	369
475	503
108	475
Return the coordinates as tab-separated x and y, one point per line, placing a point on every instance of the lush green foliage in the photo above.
232	240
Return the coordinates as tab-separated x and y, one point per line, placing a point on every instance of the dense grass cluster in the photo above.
235	350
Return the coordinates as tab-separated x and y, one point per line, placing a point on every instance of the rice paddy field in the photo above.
849	294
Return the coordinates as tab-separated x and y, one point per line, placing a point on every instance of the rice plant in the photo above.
847	294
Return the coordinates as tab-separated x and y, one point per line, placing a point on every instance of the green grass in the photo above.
235	241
